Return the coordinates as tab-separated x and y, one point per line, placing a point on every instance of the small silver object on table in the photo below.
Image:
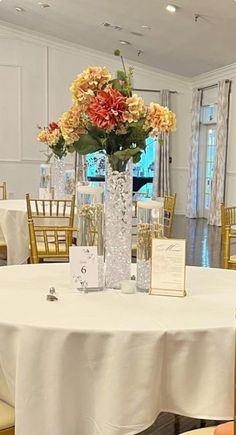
52	295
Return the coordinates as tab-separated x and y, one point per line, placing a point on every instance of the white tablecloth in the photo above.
14	230
107	363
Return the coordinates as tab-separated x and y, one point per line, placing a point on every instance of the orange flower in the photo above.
107	108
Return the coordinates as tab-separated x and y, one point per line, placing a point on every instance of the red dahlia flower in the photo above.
106	109
53	126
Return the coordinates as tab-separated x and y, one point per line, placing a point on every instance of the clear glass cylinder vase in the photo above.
150	218
90	214
118	224
59	177
45	181
69	183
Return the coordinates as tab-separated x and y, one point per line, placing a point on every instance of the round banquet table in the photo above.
106	363
14	230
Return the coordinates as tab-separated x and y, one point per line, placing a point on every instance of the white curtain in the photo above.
192	189
218	186
161	179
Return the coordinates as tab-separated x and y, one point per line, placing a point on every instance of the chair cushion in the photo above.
203	431
7	416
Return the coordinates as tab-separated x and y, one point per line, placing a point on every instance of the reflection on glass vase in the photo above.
118	223
150	225
91	223
45	181
59	177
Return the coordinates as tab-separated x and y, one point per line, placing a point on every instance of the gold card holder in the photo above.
168	267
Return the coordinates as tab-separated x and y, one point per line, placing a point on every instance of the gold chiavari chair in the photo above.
169	211
228	232
222	209
49	242
7	419
3	190
3	196
56	210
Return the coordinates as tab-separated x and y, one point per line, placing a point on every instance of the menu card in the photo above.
84	267
168	267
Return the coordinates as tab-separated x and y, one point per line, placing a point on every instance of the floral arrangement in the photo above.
106	116
53	137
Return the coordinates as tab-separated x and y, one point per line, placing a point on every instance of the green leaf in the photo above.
87	144
137	158
126	154
121	76
96	132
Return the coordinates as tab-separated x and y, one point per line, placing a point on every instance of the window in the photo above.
206	157
210	163
144	168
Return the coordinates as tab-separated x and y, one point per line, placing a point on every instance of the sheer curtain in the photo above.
161	179
192	189
218	186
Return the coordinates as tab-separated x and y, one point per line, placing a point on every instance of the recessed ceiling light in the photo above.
138	33
111	26
125	42
148	27
19	9
43	5
171	8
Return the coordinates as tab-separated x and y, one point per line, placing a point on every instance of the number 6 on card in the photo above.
84	267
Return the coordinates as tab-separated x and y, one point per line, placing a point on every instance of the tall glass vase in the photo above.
59	177
118	224
90	212
45	181
150	226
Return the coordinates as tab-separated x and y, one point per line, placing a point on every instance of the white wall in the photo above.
35	75
209	79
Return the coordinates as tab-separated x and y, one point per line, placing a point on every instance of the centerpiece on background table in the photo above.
107	117
58	147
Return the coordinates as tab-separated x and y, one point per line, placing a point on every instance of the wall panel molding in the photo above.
11	99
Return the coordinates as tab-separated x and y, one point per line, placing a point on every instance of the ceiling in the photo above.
174	42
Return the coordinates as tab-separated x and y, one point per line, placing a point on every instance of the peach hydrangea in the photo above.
71	124
135	110
88	83
160	119
51	137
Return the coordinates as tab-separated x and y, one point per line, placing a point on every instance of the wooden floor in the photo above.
203	249
203	241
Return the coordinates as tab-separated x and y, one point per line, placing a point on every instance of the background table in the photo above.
14	230
107	363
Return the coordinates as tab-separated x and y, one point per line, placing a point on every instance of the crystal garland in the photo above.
59	177
118	225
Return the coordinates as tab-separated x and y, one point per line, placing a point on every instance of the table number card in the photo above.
84	267
168	267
